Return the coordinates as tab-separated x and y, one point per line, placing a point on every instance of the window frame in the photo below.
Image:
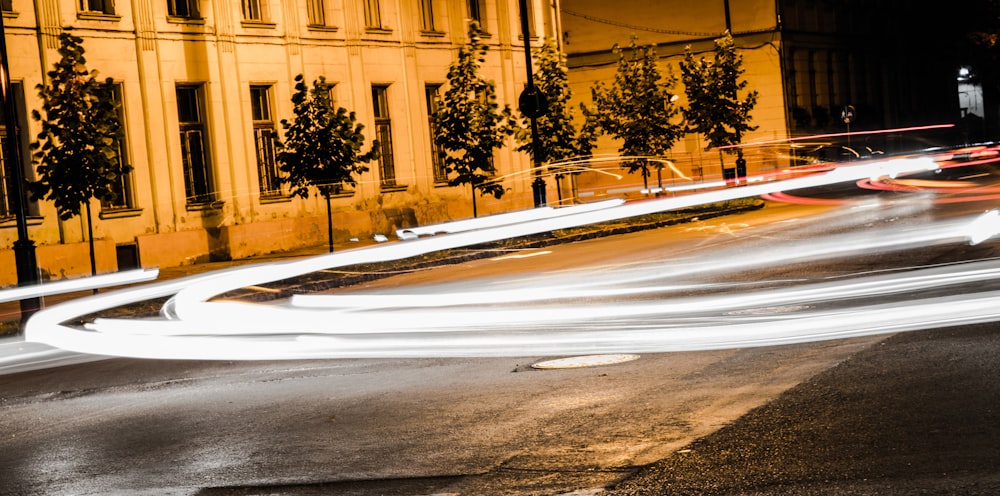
126	187
427	20
383	133
438	170
316	14
255	12
373	15
269	185
192	7
196	195
532	30
477	12
96	7
8	204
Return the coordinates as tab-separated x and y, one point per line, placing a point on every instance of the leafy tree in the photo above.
558	137
637	109
712	88
322	146
470	124
77	152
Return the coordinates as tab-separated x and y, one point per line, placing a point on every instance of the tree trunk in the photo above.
90	240
329	223
645	177
474	212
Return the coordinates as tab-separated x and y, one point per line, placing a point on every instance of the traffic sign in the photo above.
848	114
532	103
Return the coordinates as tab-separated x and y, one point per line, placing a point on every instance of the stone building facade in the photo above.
202	85
807	59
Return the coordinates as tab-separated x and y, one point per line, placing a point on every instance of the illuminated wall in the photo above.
202	83
808	59
592	27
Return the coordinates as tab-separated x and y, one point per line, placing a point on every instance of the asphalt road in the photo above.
913	413
918	413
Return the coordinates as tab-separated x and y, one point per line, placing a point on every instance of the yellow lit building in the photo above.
203	83
809	60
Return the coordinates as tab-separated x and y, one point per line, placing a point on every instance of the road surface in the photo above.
499	426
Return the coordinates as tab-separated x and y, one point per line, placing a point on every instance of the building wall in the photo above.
592	28
808	59
150	53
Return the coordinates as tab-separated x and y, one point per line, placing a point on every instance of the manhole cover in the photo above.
584	361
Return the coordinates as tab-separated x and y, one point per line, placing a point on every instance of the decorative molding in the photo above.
145	27
292	33
224	26
49	23
119	213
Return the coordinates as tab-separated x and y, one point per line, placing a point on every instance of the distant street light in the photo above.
24	247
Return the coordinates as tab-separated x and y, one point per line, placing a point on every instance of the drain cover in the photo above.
584	361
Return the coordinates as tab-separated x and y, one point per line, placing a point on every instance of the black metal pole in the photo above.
729	20
24	247
538	185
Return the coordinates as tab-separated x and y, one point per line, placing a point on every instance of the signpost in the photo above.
533	105
24	247
847	116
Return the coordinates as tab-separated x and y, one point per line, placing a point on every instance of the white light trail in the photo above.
78	284
984	227
596	317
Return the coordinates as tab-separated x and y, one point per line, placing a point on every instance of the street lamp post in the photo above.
532	104
24	247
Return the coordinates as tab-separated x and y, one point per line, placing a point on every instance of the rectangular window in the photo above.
187	9
194	153
7	5
254	10
383	132
427	15
530	5
124	196
437	154
8	200
477	12
263	138
8	206
373	14
317	12
98	6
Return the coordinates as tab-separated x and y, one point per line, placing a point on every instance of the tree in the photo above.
469	124
322	146
77	151
637	109
712	88
558	138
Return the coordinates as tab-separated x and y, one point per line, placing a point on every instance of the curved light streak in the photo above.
550	321
839	135
78	284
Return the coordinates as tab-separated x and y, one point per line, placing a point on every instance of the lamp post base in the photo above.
538	188
27	275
